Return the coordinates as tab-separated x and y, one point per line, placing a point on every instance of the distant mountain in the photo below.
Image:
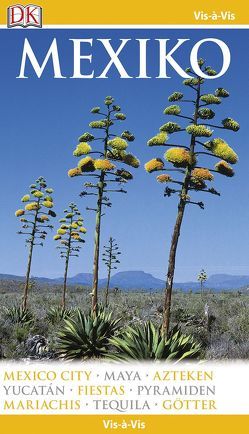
221	281
135	279
80	279
131	280
11	277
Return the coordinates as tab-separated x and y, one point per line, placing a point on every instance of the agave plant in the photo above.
146	342
87	335
56	314
18	315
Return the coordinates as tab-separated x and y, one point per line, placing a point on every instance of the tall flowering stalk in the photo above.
69	236
110	259
184	158
35	219
110	147
202	277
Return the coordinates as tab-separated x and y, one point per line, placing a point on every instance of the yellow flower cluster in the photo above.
82	230
176	96
103	165
44	218
220	92
86	137
64	226
179	157
164	178
221	149
74	226
198	184
74	172
33	206
172	110
230	124
125	174
61	231
154	165
47	204
191	81
120	116
82	149
57	237
158	140
118	143
86	164
202	174
97	124
211	72
209	98
224	168
37	194
206	113
25	198
199	130
170	127
75	236
131	160
19	212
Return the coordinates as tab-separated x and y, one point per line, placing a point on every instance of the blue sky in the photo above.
42	118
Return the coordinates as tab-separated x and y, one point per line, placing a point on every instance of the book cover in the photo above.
124	278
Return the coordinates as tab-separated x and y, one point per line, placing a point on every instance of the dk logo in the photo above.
24	16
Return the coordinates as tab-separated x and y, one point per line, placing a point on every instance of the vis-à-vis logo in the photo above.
24	16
